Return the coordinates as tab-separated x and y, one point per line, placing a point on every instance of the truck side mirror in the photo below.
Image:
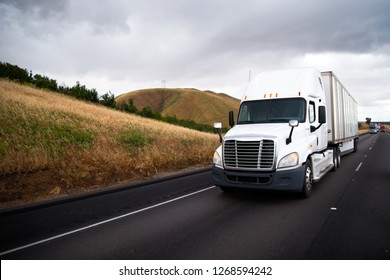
218	125
231	118
218	128
292	124
322	114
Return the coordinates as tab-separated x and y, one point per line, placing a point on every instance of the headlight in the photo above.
217	159
289	160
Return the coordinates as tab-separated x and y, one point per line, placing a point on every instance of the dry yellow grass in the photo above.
53	145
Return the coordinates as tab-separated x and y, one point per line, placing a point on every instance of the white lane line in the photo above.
357	169
101	223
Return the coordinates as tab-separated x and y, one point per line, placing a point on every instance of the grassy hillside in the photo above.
204	107
52	145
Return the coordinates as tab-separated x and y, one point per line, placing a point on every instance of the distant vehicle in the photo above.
292	127
373	128
382	128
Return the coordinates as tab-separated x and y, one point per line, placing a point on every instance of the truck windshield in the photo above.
272	110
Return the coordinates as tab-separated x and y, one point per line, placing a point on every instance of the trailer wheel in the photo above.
336	158
308	180
355	144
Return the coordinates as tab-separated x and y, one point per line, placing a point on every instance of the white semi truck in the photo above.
292	128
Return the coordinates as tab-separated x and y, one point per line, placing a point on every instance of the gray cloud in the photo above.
121	45
42	17
309	26
43	7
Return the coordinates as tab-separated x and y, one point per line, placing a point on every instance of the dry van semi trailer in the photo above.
292	128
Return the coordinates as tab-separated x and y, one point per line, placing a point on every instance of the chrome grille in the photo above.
249	154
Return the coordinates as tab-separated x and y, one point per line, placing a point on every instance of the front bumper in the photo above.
283	180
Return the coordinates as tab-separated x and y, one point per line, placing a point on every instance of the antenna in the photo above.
164	82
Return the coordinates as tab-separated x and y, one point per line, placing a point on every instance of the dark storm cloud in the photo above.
309	26
48	16
43	7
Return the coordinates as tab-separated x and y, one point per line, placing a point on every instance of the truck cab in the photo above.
280	140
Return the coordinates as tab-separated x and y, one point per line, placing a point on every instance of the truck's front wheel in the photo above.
308	180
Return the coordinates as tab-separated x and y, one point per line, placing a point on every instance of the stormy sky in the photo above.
124	45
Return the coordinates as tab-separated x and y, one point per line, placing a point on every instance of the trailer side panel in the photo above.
342	116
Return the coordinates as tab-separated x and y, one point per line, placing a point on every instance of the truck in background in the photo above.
292	128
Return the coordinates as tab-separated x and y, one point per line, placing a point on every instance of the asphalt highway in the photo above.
347	217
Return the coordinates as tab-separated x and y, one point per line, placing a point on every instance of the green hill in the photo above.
204	107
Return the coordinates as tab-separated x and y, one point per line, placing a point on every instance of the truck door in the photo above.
320	134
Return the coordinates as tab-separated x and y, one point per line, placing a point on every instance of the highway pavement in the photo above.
186	217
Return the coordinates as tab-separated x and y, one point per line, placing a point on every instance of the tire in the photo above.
308	180
336	158
355	145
